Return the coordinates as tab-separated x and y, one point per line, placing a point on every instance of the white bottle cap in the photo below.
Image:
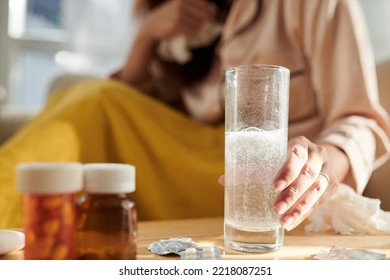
109	178
50	177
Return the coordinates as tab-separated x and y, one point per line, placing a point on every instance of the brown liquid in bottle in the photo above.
106	227
107	216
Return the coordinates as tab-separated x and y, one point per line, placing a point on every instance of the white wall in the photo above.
377	14
100	34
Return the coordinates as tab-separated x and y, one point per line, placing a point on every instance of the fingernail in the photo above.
287	222
280	207
280	184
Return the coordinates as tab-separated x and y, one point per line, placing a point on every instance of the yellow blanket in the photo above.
178	160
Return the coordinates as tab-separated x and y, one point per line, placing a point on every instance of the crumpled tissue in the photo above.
178	48
349	213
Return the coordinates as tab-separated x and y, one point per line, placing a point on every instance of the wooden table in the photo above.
298	244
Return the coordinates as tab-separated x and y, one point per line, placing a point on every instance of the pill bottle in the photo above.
107	217
49	216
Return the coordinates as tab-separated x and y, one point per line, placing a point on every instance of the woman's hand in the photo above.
173	17
309	176
306	179
177	17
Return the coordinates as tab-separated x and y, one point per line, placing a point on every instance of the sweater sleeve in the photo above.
336	42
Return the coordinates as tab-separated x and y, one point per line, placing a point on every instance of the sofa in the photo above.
10	122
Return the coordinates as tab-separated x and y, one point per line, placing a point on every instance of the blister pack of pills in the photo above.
204	253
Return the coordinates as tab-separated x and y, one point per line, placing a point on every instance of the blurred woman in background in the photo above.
163	111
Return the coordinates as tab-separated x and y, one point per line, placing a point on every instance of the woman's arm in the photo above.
174	17
356	129
136	67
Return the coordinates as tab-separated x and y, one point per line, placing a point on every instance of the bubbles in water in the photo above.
252	158
252	128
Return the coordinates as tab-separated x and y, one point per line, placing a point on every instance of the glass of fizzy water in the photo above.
256	120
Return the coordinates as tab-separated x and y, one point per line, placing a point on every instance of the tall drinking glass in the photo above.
256	120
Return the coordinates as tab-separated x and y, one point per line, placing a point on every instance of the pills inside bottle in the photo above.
49	209
107	217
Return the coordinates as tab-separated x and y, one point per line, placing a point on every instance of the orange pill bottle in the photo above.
107	216
49	210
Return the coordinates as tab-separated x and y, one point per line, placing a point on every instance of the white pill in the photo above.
10	241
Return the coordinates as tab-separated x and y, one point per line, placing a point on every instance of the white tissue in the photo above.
178	48
349	213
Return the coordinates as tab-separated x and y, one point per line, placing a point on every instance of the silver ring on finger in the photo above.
326	177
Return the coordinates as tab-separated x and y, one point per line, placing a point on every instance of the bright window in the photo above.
43	39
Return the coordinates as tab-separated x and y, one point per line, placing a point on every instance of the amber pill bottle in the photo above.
49	209
107	217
